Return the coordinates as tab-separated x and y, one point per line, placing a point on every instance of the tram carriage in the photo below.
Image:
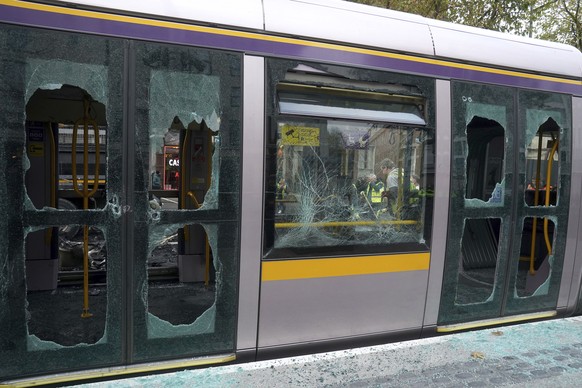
246	182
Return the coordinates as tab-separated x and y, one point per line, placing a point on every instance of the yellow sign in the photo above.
36	149
300	136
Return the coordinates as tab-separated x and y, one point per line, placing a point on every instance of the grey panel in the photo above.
305	310
441	201
572	273
252	202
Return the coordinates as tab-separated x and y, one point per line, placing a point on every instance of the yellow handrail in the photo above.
52	177
532	250
284	225
548	187
86	121
183	189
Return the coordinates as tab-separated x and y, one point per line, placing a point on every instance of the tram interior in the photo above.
63	307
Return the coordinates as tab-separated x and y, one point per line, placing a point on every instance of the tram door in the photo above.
509	203
120	181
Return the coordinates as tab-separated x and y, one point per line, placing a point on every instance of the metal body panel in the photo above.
244	14
295	311
469	44
350	23
572	272
252	202
441	201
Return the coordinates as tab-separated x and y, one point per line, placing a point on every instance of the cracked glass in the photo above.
356	170
60	255
187	180
505	252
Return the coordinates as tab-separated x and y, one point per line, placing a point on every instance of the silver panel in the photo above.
441	201
247	13
252	201
572	271
294	311
348	22
490	47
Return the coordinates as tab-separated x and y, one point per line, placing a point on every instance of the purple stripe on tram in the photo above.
264	47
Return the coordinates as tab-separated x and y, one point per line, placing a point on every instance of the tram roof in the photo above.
362	25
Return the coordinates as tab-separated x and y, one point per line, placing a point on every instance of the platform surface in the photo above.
541	354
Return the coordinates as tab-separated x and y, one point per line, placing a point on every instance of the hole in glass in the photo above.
478	261
175	184
542	166
534	263
486	142
56	301
181	276
66	145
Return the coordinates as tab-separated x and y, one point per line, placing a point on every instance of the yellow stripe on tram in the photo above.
343	266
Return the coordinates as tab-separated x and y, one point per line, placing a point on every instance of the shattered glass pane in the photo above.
188	165
181	305
478	262
45	91
53	74
337	184
485	162
55	312
353	172
184	126
481	201
535	264
57	122
542	157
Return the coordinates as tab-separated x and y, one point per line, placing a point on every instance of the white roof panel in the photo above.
504	50
244	14
351	23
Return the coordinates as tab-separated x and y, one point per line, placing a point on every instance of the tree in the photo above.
554	20
561	23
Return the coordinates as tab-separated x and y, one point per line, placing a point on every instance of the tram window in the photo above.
537	240
50	319
478	262
349	168
188	131
184	126
542	158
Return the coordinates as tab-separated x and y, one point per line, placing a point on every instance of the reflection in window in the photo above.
537	238
478	261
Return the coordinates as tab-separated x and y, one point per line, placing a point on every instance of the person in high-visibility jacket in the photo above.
374	189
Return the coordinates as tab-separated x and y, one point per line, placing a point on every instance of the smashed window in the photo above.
61	260
545	175
478	262
510	188
349	162
189	112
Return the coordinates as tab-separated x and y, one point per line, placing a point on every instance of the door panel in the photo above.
505	242
186	190
59	106
103	262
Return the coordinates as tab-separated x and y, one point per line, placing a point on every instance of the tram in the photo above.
195	183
